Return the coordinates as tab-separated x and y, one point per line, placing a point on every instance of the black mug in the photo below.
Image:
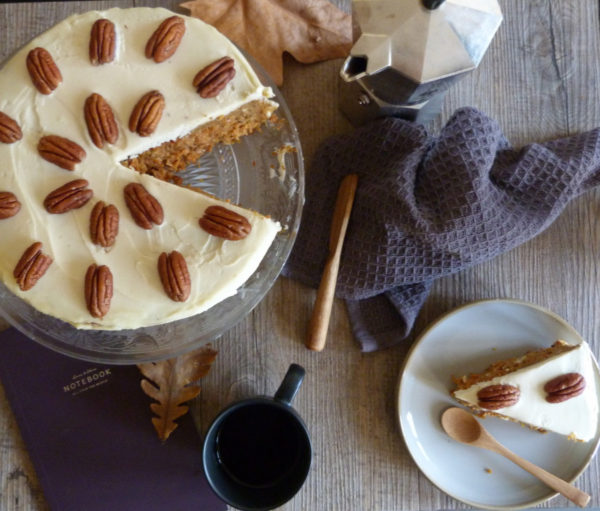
257	452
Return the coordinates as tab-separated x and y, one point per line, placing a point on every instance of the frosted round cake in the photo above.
92	113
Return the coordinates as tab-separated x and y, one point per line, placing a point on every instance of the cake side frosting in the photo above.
218	267
576	417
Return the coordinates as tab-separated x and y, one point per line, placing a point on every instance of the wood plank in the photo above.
539	80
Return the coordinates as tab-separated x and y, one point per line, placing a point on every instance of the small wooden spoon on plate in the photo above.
464	427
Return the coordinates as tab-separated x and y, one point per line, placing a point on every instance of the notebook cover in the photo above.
88	430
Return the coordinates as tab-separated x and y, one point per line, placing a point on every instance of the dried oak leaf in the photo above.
310	30
173	382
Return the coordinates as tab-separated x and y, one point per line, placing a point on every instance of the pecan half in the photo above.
32	266
102	42
104	224
564	387
61	151
44	72
494	397
212	79
71	195
9	129
9	205
165	40
174	276
100	121
145	209
225	223
147	113
98	290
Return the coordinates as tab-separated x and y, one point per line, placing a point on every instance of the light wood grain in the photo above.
540	80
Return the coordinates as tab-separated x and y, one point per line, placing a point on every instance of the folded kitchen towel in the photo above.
427	207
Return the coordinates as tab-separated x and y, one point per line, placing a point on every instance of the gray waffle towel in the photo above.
427	207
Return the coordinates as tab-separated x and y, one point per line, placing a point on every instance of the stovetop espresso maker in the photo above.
409	52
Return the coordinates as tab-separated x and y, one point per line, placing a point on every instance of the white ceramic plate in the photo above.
468	339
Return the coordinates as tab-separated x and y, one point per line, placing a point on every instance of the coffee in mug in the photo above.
257	452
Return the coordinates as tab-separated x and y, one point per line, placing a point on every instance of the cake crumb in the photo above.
280	152
488	470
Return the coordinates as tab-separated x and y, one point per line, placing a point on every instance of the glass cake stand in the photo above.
263	172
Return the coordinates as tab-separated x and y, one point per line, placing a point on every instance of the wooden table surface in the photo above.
540	79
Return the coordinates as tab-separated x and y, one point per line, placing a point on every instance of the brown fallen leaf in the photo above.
310	30
174	382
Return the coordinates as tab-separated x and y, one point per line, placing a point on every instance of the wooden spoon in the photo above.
464	427
319	322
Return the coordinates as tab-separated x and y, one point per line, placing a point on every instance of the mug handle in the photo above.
291	384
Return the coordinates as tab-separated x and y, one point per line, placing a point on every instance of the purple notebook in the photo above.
88	432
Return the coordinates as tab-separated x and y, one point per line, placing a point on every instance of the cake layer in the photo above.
217	266
576	417
171	157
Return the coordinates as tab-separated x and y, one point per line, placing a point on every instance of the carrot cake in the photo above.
551	389
92	112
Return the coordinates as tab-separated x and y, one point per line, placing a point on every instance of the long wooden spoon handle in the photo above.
566	489
319	322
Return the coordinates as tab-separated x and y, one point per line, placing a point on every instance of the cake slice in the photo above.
551	389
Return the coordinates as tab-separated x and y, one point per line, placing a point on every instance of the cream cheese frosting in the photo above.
577	417
217	267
